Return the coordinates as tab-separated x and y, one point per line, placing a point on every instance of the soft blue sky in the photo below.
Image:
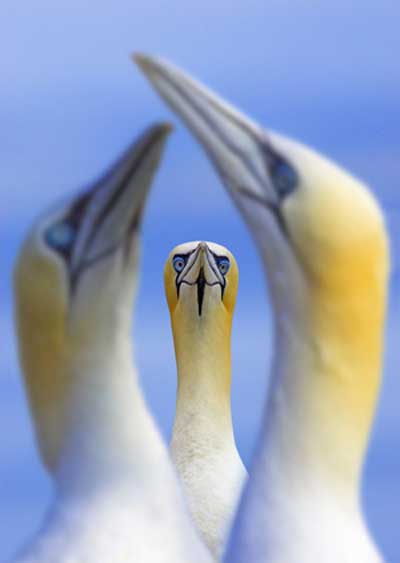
71	100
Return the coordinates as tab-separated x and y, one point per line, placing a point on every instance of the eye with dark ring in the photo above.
60	236
223	265
284	177
178	262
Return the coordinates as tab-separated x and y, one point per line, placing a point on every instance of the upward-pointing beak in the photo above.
112	210
239	148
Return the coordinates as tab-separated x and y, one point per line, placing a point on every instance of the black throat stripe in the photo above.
201	284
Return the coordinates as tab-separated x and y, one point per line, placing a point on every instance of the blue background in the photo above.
71	100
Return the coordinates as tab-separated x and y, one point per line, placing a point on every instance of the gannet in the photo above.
201	282
323	242
117	498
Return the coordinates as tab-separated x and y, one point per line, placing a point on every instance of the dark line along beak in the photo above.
238	147
201	269
113	208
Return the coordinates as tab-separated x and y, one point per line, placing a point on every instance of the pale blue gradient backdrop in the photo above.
71	100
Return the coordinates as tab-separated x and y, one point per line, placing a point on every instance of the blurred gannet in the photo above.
323	242
117	498
201	282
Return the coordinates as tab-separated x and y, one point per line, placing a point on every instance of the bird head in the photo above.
316	225
75	279
201	280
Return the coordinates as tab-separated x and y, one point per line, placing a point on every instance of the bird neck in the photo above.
108	433
203	359
326	375
307	463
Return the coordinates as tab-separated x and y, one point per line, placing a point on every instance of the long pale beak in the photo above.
239	148
111	211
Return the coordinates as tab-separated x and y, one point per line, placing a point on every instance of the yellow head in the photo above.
201	280
74	284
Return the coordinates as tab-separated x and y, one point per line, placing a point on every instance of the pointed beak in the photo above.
201	270
240	149
110	213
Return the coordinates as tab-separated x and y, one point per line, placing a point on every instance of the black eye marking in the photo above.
179	262
284	176
220	260
61	236
282	173
223	264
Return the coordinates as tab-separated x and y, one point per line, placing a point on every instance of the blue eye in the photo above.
224	265
178	263
60	236
285	178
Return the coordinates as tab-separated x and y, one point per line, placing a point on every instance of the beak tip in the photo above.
165	127
138	57
144	62
168	127
160	130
